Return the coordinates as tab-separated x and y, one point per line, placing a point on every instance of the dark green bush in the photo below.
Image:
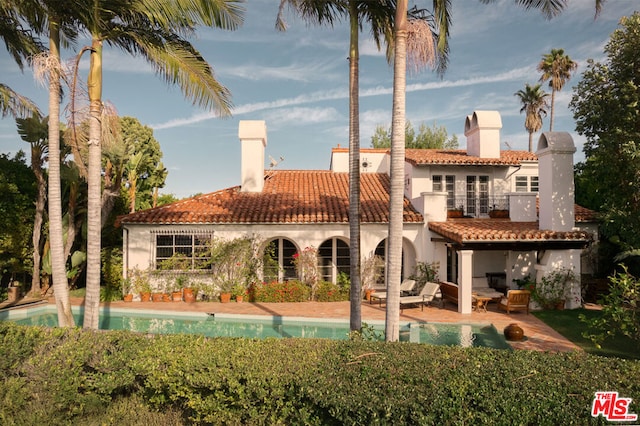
84	377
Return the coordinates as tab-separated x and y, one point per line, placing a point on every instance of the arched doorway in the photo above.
278	260
333	259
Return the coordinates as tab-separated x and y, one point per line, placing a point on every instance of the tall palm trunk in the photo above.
58	270
36	237
553	103
396	196
94	180
530	141
355	318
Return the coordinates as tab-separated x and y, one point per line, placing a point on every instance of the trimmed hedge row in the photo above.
63	376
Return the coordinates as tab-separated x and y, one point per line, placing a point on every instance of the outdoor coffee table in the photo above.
481	303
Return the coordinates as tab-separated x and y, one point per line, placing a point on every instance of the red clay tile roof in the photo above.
419	157
493	230
289	196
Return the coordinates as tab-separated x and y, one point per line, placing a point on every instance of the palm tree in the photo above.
34	131
378	14
152	29
534	104
441	19
556	68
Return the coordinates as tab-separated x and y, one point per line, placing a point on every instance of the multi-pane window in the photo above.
183	251
278	260
477	195
522	184
436	182
483	189
450	187
526	183
333	258
534	183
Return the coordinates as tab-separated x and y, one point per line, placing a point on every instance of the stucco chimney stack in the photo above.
482	130
556	190
253	140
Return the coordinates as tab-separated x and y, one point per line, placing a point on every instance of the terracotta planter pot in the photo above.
176	296
128	297
225	297
239	299
513	332
166	297
145	297
156	297
501	214
188	295
455	213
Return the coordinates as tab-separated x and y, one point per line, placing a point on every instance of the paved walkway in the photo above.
538	336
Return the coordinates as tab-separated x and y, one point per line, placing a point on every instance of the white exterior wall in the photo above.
555	259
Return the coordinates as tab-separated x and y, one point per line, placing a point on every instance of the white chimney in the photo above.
253	140
482	130
556	190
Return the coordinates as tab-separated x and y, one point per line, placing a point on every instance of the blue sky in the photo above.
298	82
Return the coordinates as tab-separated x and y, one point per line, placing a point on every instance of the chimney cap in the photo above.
482	120
253	129
559	142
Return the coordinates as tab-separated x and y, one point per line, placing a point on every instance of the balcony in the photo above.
478	207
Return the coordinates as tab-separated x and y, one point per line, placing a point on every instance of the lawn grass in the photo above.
567	322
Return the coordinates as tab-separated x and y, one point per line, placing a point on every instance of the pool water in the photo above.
226	325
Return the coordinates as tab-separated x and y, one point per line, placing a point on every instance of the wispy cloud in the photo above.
515	74
303	72
301	116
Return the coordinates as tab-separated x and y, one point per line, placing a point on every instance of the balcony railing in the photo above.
477	207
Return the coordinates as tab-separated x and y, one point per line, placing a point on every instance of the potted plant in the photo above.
190	291
456	212
238	292
178	286
141	284
552	290
225	287
127	290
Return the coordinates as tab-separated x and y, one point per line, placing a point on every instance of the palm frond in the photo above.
178	62
16	105
313	12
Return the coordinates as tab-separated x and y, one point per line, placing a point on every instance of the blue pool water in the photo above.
221	325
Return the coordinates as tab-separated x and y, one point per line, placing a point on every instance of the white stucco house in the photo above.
539	227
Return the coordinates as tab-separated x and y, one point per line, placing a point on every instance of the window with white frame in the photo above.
526	184
477	195
278	260
333	258
450	187
182	250
436	183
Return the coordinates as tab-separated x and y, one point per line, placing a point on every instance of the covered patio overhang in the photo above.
467	236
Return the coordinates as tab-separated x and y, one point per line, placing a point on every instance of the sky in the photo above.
297	81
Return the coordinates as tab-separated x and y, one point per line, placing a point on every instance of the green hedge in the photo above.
85	377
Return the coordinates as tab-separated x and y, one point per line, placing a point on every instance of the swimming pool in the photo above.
228	325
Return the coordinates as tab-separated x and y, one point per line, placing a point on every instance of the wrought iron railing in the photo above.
478	206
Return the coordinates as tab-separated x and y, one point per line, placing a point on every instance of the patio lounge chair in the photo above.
406	287
426	295
515	300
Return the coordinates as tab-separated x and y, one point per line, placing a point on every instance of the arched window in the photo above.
381	250
278	260
333	258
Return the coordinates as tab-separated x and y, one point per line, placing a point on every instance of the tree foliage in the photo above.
606	109
434	137
620	310
18	189
534	105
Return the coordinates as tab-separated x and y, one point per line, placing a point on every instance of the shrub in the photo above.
274	291
75	376
620	310
329	292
